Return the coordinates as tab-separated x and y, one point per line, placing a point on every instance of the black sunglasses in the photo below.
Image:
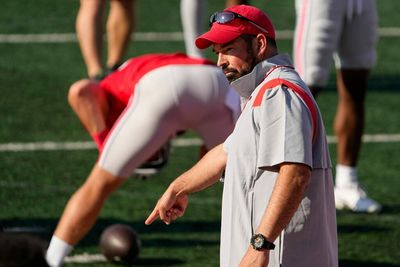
224	17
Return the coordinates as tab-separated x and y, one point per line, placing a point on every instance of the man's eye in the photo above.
229	49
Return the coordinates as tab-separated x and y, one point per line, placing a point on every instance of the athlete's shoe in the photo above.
354	198
100	76
144	173
155	163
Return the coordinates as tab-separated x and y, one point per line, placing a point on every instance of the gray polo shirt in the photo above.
279	130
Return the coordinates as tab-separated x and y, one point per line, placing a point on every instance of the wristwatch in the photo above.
259	242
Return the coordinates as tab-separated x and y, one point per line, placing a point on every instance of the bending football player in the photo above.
131	114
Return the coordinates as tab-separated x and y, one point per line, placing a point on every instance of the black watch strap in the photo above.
260	242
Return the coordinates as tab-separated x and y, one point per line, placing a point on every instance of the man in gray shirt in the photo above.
278	204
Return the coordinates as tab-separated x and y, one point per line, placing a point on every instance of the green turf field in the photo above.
35	185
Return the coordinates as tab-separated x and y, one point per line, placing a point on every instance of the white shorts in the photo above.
345	29
167	100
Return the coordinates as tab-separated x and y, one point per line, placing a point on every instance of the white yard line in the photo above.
71	37
144	36
85	258
179	142
80	145
48	145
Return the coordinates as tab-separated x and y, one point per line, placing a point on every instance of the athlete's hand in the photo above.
169	207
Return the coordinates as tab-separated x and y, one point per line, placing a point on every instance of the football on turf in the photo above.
120	243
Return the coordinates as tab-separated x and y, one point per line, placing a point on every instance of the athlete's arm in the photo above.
202	175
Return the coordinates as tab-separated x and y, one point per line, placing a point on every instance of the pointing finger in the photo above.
152	217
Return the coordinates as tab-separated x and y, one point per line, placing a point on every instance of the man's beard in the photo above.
234	74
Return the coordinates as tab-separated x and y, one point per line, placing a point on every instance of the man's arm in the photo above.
202	175
288	192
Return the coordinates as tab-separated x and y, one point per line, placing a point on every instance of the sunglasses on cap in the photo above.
224	17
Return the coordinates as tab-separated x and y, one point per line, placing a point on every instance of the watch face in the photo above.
258	241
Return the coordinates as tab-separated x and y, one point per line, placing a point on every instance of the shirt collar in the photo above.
246	84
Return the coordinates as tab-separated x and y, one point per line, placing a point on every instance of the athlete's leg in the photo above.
350	114
89	30
147	123
81	213
356	55
349	126
90	104
120	24
192	16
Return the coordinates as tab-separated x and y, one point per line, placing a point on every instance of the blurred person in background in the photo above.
132	114
192	17
347	31
90	31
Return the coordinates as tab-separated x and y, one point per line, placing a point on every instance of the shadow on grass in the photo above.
158	262
390	209
141	261
387	209
352	263
44	228
167	242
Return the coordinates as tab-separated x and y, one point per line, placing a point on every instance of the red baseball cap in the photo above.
247	20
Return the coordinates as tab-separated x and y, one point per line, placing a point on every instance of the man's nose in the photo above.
221	61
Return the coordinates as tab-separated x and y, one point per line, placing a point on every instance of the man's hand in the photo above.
254	258
169	207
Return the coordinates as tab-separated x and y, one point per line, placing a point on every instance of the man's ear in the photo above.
260	46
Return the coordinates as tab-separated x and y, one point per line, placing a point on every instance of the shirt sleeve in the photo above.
285	125
226	144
